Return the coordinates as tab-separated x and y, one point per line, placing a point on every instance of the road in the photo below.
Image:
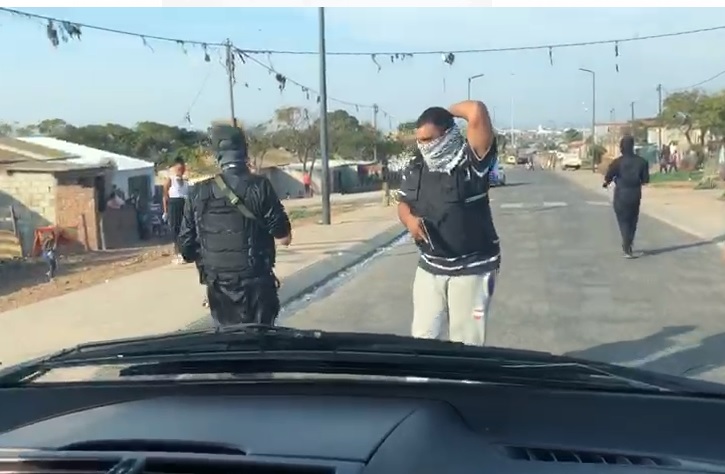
564	286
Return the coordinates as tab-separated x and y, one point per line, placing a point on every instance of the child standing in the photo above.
50	255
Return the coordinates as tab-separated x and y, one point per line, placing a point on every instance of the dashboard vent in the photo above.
141	465
520	453
154	445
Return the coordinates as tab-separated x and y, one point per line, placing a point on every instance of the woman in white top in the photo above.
176	188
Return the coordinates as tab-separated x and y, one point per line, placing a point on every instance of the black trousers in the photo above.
626	209
243	302
176	215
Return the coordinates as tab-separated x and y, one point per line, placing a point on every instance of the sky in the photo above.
111	78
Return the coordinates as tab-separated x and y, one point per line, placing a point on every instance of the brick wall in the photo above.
33	196
76	207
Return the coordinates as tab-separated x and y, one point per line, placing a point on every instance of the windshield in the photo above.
568	200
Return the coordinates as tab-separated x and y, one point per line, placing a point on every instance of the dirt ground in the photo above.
25	282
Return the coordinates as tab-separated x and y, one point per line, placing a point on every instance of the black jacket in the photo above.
629	173
220	239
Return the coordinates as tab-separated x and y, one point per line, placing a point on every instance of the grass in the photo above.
676	177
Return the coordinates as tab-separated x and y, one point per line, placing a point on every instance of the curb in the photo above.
310	278
654	215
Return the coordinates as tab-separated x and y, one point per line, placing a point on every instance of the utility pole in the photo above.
631	109
384	167
513	138
324	142
594	113
230	75
659	117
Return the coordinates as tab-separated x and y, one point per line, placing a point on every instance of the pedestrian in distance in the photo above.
629	172
229	227
176	188
50	255
443	202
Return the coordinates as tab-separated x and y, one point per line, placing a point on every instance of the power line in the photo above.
116	31
399	54
698	84
242	54
283	80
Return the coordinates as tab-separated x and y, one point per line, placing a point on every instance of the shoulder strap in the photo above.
233	198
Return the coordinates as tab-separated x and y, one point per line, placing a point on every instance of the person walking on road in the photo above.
176	188
444	204
629	172
229	228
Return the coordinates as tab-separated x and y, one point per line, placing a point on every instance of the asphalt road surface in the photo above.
564	285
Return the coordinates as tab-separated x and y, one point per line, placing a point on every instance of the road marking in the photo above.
512	205
598	203
555	204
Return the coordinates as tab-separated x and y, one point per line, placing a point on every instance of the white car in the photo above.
570	161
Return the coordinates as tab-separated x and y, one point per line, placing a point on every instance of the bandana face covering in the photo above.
444	153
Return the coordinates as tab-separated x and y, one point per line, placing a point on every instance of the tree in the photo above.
295	131
6	129
572	135
259	141
406	127
151	141
683	110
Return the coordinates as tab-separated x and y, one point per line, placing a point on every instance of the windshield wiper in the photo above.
248	349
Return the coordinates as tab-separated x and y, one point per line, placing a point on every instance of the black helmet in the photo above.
229	145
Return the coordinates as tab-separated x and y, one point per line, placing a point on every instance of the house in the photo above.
676	135
131	175
52	193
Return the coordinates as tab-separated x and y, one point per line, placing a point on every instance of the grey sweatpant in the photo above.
457	305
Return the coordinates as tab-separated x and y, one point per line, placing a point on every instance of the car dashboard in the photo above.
346	427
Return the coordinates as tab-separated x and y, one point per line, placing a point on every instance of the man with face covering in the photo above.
443	202
229	229
629	172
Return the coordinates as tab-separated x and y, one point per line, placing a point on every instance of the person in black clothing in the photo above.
629	172
229	228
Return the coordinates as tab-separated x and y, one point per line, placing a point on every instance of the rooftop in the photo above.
85	155
17	146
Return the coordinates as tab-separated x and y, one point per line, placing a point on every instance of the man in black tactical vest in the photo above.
229	229
444	205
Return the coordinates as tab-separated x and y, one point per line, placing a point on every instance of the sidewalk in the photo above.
167	298
372	196
699	213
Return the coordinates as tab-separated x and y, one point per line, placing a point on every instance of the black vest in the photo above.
231	244
455	208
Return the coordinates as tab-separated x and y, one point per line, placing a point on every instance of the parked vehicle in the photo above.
570	161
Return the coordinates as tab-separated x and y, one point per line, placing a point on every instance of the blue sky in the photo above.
112	78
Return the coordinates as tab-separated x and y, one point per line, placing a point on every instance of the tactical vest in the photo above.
455	208
231	243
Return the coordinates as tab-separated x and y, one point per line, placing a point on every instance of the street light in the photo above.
469	83
594	109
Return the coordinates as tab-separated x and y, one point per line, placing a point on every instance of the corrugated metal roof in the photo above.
86	155
31	150
48	166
